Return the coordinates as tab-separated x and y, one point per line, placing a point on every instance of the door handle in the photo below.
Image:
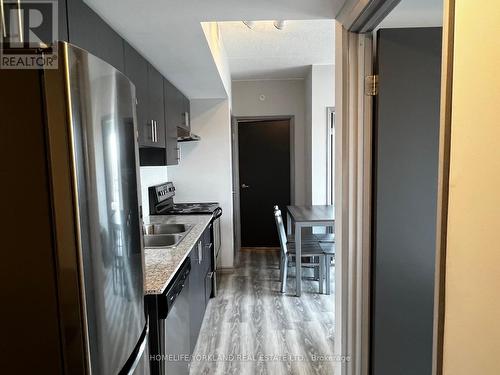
244	186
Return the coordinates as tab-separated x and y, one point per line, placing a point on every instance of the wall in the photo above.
212	34
151	176
204	172
472	303
282	98
322	96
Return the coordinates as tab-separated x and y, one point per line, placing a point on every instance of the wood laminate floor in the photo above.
251	328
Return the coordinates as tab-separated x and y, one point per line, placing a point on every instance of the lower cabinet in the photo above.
196	294
200	284
177	314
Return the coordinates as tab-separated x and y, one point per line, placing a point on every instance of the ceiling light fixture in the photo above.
280	25
249	24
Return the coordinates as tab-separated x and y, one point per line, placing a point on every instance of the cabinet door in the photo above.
10	11
196	295
207	250
186	106
208	286
136	69
175	107
156	107
172	156
62	20
88	31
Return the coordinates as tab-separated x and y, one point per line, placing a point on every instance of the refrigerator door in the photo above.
102	104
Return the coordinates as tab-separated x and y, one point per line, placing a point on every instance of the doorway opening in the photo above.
280	294
388	182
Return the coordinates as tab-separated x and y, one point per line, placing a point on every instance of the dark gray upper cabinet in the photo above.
156	107
88	31
186	112
44	30
178	107
172	156
136	69
175	106
161	107
149	92
62	20
182	106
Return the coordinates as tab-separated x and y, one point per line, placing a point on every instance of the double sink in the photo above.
164	235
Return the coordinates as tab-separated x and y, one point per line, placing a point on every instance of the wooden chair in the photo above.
308	249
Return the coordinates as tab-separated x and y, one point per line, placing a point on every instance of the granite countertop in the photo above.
162	264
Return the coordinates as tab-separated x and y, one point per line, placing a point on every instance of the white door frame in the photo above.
353	185
353	155
330	167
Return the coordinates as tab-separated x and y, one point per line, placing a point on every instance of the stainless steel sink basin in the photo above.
166	228
162	240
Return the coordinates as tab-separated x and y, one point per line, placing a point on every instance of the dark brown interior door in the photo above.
264	164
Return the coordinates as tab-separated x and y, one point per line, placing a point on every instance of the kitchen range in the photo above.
182	242
161	202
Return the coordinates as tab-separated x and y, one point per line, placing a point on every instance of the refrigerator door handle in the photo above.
133	361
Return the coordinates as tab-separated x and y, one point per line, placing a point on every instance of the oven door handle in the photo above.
217	213
162	209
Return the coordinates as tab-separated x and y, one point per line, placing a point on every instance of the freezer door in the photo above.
102	103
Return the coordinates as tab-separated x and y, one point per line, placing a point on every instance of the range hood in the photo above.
184	135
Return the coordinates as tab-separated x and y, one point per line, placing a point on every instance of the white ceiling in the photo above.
415	13
264	52
169	34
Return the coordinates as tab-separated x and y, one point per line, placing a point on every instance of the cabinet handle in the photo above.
210	275
152	131
200	253
4	27
178	154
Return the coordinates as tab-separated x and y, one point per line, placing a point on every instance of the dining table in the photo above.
308	216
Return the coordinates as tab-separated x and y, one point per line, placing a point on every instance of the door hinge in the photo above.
371	85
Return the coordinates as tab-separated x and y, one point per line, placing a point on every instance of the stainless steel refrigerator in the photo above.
75	270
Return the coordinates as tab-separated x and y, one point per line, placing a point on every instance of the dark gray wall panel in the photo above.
405	171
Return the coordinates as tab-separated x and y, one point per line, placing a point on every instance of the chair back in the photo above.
281	231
